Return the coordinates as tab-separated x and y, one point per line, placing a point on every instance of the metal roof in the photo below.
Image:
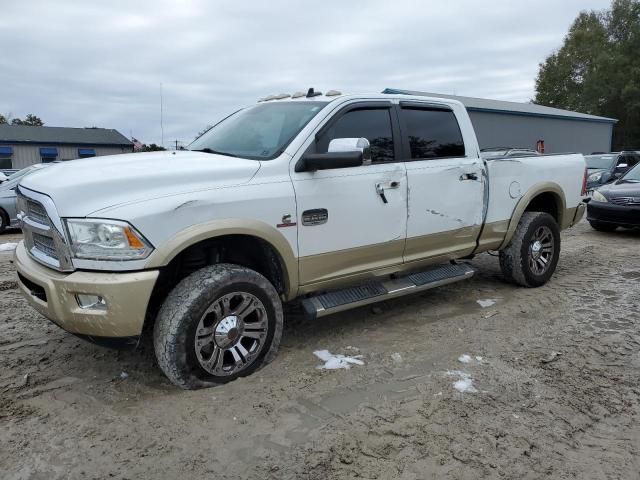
513	108
62	135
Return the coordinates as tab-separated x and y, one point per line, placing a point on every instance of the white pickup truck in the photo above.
333	200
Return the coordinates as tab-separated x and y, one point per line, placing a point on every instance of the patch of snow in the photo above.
124	375
478	358
336	361
7	247
464	358
486	303
396	357
465	384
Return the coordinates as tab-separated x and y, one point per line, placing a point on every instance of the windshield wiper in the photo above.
208	150
628	180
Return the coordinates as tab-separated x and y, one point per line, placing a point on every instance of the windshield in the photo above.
632	175
600	161
260	132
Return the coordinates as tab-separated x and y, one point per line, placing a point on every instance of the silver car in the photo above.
8	212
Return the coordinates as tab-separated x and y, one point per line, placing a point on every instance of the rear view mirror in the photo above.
352	145
342	153
329	160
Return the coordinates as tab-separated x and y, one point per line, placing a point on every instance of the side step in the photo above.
352	297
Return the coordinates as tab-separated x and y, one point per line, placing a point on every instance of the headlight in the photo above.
595	177
106	240
598	197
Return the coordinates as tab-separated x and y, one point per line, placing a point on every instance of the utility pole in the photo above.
161	115
176	144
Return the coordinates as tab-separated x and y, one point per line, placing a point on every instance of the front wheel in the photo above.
4	221
220	323
532	254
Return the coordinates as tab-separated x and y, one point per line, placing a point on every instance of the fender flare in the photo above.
169	250
525	200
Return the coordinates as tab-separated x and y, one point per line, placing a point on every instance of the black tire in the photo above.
4	220
517	257
602	227
179	325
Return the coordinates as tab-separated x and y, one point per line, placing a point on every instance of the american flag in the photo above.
137	144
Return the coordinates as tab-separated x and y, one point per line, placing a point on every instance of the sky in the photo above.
101	63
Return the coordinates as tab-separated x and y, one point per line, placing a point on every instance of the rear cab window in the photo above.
431	132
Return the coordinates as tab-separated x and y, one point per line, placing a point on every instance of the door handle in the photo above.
380	188
380	191
468	176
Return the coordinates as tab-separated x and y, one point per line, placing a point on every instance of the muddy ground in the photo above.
557	388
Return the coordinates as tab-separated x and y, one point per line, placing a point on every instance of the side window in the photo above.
632	160
432	133
374	124
623	160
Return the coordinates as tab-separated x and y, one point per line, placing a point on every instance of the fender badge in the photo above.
286	222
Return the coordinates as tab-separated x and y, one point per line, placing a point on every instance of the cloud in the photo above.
101	63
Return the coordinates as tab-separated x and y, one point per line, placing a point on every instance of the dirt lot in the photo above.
557	388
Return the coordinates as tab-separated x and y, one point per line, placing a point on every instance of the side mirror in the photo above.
621	166
352	145
328	161
342	153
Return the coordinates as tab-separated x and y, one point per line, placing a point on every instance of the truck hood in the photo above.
81	187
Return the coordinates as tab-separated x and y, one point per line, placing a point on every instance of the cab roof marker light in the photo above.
332	93
298	95
282	96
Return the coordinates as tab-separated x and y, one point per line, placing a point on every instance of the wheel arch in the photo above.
545	197
247	231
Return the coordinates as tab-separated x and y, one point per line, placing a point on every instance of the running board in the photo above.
352	297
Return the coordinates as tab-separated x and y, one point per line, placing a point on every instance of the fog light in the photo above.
91	302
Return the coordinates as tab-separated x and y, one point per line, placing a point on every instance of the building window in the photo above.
48	154
5	157
86	152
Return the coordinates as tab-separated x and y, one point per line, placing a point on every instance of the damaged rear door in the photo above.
445	182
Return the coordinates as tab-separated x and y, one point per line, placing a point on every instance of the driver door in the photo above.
363	209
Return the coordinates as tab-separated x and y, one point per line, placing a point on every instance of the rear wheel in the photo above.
603	227
220	323
532	254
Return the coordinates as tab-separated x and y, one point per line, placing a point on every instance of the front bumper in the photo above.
53	294
623	215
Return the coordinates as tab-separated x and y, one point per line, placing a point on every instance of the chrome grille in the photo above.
42	229
625	200
37	212
45	244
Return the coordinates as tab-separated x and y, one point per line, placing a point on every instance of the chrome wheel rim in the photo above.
541	250
231	334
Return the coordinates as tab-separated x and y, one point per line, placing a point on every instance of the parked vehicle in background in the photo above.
607	167
495	153
616	204
8	210
303	197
